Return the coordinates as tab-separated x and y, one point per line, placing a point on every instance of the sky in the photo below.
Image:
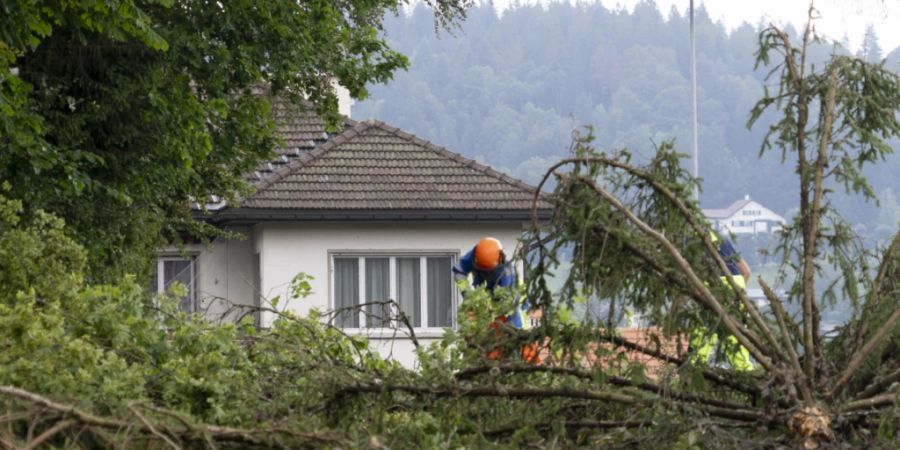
840	19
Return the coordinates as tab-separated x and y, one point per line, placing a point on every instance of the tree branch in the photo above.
880	384
873	300
879	401
814	216
262	436
860	356
586	375
702	233
803	383
515	392
153	430
597	424
46	435
708	374
708	299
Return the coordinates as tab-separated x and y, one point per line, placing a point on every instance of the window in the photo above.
421	285
742	223
172	269
751	212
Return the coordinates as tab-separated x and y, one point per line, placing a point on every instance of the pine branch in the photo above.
880	384
740	333
701	231
803	383
515	392
879	401
707	374
873	299
811	341
589	376
859	357
572	424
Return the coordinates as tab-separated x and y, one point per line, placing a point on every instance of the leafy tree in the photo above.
116	116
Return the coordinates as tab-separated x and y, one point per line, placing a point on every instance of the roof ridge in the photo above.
443	151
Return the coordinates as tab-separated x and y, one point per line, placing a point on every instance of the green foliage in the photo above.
108	348
128	131
118	116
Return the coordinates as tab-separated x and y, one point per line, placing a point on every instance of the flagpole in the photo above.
696	171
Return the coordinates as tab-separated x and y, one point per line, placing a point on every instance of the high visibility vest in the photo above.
738	357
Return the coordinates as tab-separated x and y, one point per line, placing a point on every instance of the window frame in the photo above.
392	255
742	223
161	282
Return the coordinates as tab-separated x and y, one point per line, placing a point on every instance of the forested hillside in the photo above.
508	90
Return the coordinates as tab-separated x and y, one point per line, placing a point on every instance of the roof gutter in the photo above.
253	215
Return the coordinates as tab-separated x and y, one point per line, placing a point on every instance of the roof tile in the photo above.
373	166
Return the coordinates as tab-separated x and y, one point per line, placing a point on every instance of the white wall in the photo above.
763	220
287	249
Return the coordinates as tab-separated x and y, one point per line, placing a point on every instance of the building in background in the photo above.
744	216
371	212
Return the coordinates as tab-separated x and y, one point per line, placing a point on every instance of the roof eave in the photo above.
256	215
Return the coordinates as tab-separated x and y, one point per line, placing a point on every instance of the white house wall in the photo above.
288	249
763	221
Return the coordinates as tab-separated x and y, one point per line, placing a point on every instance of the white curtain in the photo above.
440	290
346	291
409	293
378	289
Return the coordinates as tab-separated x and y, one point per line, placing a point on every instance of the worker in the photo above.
489	267
702	342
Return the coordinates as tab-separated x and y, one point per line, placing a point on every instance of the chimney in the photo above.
747	197
345	102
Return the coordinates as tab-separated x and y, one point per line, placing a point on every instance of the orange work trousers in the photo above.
530	352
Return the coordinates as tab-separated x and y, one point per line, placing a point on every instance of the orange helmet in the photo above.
488	254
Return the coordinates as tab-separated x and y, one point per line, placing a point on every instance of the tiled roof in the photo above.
373	166
300	129
727	212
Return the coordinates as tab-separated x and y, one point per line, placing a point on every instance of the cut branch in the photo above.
515	392
880	384
613	380
879	401
700	230
803	383
860	357
811	342
744	336
873	299
574	424
707	374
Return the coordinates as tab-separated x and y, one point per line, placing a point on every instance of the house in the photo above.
370	212
745	216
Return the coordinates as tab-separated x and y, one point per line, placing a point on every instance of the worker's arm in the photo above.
464	266
734	260
745	270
